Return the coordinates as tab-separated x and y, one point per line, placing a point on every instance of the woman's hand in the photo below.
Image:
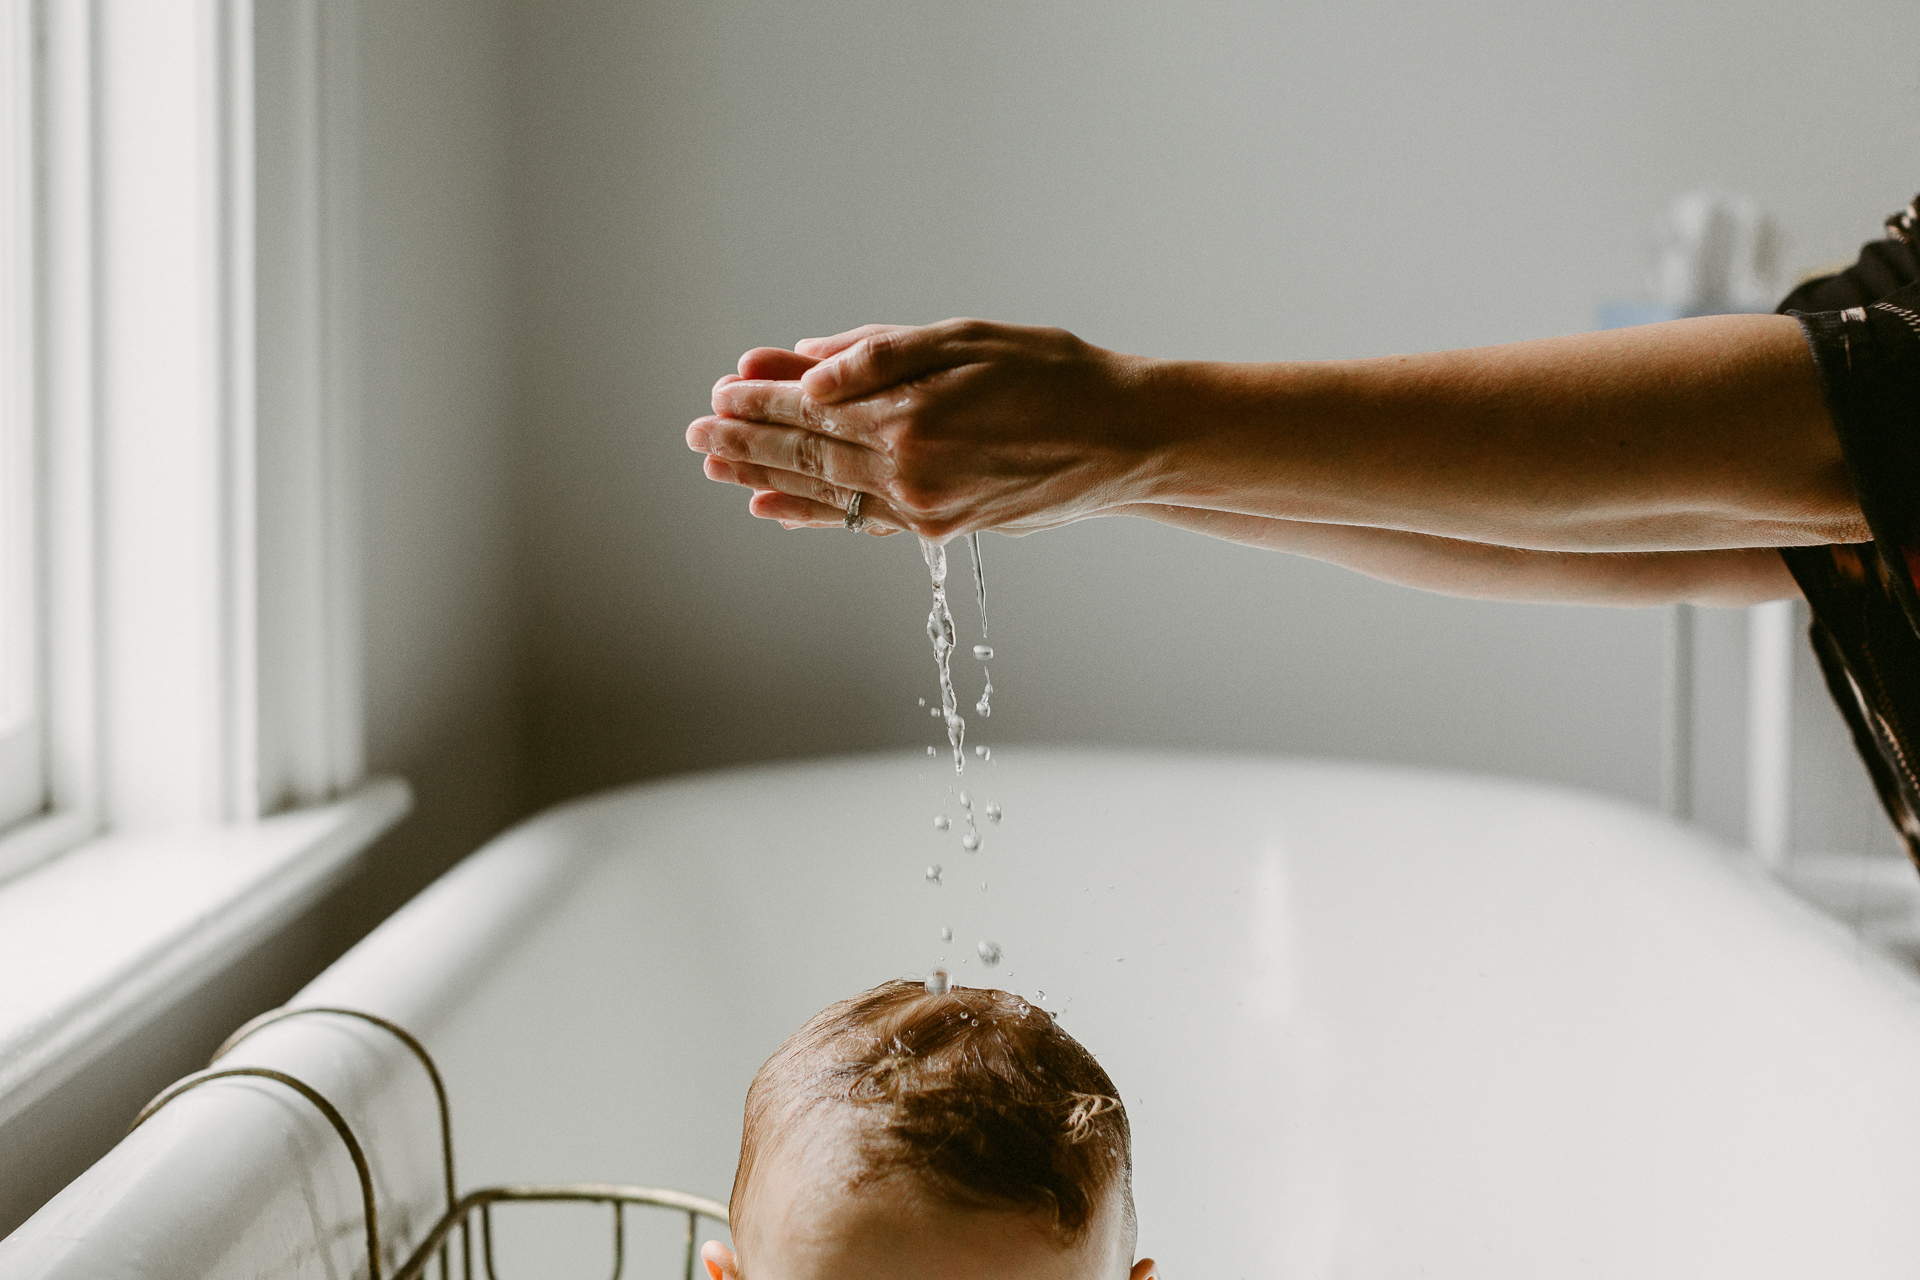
946	428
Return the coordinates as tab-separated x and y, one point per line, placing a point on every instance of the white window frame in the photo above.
197	408
197	404
22	745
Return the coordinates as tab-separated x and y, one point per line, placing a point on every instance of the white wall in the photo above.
1235	179
438	369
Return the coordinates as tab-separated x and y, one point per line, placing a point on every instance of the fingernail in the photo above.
699	439
821	379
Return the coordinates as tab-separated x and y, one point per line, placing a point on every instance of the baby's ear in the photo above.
721	1264
1142	1270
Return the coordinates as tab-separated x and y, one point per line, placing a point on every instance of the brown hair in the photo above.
975	1092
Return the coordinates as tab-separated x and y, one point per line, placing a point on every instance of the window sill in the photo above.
117	925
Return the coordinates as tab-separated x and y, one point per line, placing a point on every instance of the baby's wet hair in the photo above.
975	1093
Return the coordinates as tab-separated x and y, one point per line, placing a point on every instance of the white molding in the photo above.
232	204
65	372
22	736
310	738
69	407
164	414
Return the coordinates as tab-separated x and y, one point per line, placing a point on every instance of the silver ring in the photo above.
855	521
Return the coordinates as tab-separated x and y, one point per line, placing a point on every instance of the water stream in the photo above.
982	651
940	631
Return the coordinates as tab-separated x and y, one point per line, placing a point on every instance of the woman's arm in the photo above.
1706	433
1693	435
1481	571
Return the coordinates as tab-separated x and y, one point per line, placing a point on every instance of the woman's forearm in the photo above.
1480	571
1707	433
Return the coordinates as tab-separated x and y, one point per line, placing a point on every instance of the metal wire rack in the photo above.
461	1209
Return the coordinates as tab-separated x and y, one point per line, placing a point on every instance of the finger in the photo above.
774	364
848	466
804	512
892	356
793	483
821	348
784	404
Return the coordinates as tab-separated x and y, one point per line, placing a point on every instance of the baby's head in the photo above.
943	1137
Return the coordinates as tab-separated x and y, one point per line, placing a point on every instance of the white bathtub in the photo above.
1368	1023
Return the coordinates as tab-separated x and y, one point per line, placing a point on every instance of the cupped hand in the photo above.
797	501
946	428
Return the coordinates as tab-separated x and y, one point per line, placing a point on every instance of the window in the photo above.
22	759
178	576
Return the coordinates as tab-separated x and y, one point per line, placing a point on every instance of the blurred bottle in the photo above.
1717	253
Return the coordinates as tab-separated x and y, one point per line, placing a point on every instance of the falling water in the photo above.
982	651
979	583
940	631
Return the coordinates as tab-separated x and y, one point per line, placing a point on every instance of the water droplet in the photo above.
966	801
946	934
981	752
933	873
934	712
984	652
931	751
970	841
983	886
1040	995
940	822
923	702
989	953
938	984
993	812
988	757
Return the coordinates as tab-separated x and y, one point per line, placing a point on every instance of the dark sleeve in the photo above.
1863	328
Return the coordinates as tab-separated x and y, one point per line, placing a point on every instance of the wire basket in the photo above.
438	1244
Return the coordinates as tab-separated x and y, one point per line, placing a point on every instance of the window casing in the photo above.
22	744
179	630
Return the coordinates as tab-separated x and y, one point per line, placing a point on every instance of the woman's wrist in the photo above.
1174	410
